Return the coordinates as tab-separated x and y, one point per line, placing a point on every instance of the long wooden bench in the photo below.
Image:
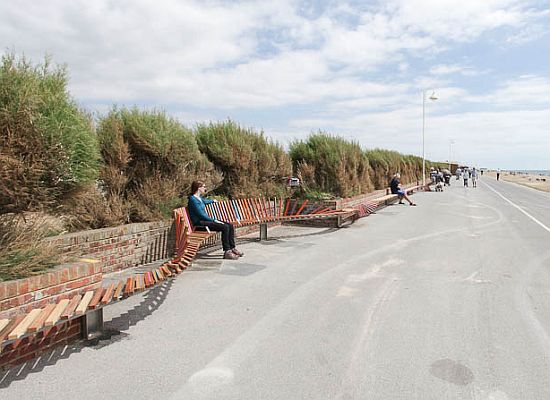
20	330
243	212
372	203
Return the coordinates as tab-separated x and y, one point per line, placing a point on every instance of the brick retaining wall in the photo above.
122	246
22	295
103	251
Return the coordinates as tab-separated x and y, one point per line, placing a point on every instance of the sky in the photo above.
356	69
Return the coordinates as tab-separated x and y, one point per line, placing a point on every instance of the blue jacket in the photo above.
197	209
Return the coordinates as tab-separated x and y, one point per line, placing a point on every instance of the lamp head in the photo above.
433	96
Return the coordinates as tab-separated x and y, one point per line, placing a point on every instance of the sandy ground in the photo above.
540	182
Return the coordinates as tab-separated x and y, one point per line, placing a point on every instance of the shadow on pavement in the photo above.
113	332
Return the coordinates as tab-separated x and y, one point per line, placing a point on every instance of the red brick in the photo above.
27	298
23	286
34	283
64	277
28	307
73	285
32	346
5	305
44	281
11	289
24	358
73	330
20	343
73	272
14	302
3	291
6	357
45	341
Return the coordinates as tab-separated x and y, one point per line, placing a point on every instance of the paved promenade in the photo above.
447	300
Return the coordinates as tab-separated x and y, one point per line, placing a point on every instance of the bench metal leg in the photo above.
92	324
263	232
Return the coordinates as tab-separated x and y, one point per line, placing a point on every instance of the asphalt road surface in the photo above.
447	300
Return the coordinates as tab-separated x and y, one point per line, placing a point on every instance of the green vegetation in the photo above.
331	164
22	250
251	165
385	163
148	159
49	149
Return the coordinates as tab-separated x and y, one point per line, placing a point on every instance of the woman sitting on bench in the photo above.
197	211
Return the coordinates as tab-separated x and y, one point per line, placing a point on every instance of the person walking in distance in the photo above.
395	187
498	174
466	176
197	211
474	177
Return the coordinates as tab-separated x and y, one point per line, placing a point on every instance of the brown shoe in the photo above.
237	252
229	255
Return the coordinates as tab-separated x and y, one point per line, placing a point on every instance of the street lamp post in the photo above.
432	97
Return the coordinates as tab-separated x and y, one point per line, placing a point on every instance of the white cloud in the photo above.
360	69
526	92
449	69
458	21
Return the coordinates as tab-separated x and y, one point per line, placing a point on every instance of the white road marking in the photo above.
520	209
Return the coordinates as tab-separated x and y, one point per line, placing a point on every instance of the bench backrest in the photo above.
258	210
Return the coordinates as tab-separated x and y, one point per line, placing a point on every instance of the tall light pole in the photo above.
451	142
432	97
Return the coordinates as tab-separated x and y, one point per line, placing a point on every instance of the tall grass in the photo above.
149	158
48	147
328	163
251	164
22	251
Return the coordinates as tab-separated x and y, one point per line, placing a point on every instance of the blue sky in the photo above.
356	69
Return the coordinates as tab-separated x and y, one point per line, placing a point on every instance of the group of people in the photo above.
197	203
441	177
467	174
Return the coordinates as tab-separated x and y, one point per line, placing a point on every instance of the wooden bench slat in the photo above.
69	310
147	279
129	288
96	298
108	294
21	328
83	305
118	290
136	283
9	327
174	267
39	322
3	324
56	313
159	273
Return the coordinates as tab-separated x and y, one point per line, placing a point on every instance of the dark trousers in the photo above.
227	230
